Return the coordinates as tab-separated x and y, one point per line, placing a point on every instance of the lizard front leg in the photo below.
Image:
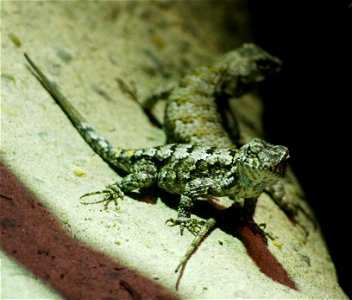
194	189
184	216
143	175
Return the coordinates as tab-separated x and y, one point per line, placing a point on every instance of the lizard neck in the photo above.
249	188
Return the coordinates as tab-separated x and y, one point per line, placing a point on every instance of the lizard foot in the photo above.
193	226
112	194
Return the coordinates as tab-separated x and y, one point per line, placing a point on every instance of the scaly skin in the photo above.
192	114
188	170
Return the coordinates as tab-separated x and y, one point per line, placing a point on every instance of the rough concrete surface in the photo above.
55	247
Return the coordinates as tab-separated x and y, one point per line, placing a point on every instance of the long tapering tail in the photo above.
98	143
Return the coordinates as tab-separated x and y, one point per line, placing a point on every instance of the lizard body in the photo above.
192	171
192	113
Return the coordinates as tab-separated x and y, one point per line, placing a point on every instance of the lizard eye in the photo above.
256	148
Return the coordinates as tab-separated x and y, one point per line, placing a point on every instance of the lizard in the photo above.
195	114
191	171
193	109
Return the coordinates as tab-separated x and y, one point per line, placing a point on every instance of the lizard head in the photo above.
261	164
250	65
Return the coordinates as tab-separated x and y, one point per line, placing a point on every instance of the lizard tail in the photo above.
74	116
98	143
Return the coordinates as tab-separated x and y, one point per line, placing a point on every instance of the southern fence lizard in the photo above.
192	112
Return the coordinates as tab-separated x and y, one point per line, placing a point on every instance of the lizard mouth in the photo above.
281	168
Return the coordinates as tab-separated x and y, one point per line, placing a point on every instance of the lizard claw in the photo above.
112	194
193	226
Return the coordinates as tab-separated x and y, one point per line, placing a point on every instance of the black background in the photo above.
307	108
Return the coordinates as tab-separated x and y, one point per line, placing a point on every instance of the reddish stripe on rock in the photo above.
263	258
31	235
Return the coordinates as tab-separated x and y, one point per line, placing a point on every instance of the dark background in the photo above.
307	108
